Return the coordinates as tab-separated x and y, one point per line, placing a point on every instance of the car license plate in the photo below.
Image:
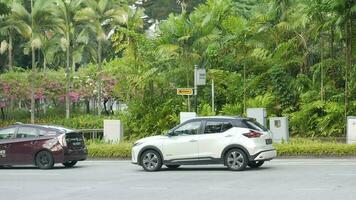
77	143
268	141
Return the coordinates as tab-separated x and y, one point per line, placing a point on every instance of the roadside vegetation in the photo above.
296	147
66	62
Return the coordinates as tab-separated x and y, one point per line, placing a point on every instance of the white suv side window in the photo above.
217	127
191	128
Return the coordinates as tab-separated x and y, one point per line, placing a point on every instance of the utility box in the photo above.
260	114
113	130
184	116
351	129
279	129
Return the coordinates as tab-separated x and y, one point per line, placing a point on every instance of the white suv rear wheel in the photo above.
236	160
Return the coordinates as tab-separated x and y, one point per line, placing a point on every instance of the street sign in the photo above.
200	76
185	91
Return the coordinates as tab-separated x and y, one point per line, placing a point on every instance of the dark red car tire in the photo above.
44	160
69	164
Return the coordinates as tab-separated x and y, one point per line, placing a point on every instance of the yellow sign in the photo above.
185	91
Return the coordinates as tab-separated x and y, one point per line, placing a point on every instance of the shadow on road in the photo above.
34	167
204	169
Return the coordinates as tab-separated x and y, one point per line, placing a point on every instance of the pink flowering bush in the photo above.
50	87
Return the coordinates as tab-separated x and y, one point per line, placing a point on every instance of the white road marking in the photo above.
342	174
311	189
148	188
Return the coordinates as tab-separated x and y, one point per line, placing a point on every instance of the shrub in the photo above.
296	147
101	150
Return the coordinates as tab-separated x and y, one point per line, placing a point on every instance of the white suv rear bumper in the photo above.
266	155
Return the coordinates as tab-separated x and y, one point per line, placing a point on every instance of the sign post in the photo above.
212	96
185	91
199	79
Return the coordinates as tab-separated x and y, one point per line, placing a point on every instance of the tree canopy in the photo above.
295	58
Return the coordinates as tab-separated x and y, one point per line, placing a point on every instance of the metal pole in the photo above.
244	111
212	96
195	88
188	103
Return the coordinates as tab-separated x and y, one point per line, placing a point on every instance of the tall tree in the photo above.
65	12
102	17
38	20
345	11
8	26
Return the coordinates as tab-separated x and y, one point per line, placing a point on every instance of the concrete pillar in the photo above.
113	130
279	129
351	130
260	114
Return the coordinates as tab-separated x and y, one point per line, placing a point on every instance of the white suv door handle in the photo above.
228	135
192	140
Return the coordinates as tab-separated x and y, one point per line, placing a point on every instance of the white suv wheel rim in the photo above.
235	160
150	161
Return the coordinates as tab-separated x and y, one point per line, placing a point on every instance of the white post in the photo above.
212	96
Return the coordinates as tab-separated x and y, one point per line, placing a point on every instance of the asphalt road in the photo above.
120	180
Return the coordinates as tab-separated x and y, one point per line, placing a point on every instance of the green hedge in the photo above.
307	147
102	150
75	122
297	147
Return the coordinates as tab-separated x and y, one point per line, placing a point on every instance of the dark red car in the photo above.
41	145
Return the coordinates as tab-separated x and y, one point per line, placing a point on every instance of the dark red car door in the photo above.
23	146
6	138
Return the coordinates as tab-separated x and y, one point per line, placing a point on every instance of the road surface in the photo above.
120	180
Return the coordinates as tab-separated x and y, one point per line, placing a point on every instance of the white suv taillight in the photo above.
62	140
253	134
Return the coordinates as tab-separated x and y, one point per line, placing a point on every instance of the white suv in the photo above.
233	141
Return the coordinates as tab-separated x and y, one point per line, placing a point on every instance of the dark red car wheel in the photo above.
44	160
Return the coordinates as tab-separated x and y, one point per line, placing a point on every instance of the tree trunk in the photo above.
33	86
332	37
33	71
87	103
2	114
44	64
348	55
99	77
322	68
44	70
68	81
10	51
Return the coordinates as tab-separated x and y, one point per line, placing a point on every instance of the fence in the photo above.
92	134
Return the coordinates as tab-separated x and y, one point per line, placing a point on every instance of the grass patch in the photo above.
97	149
296	147
308	147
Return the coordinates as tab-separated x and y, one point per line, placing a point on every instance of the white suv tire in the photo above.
255	164
151	160
236	160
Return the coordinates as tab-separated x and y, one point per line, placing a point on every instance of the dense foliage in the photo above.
294	58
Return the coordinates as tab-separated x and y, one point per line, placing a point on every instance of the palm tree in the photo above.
345	11
8	25
39	20
102	17
65	12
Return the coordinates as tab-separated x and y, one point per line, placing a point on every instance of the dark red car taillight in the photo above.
253	134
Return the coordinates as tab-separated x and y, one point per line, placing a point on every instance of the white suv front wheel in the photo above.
151	161
236	160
